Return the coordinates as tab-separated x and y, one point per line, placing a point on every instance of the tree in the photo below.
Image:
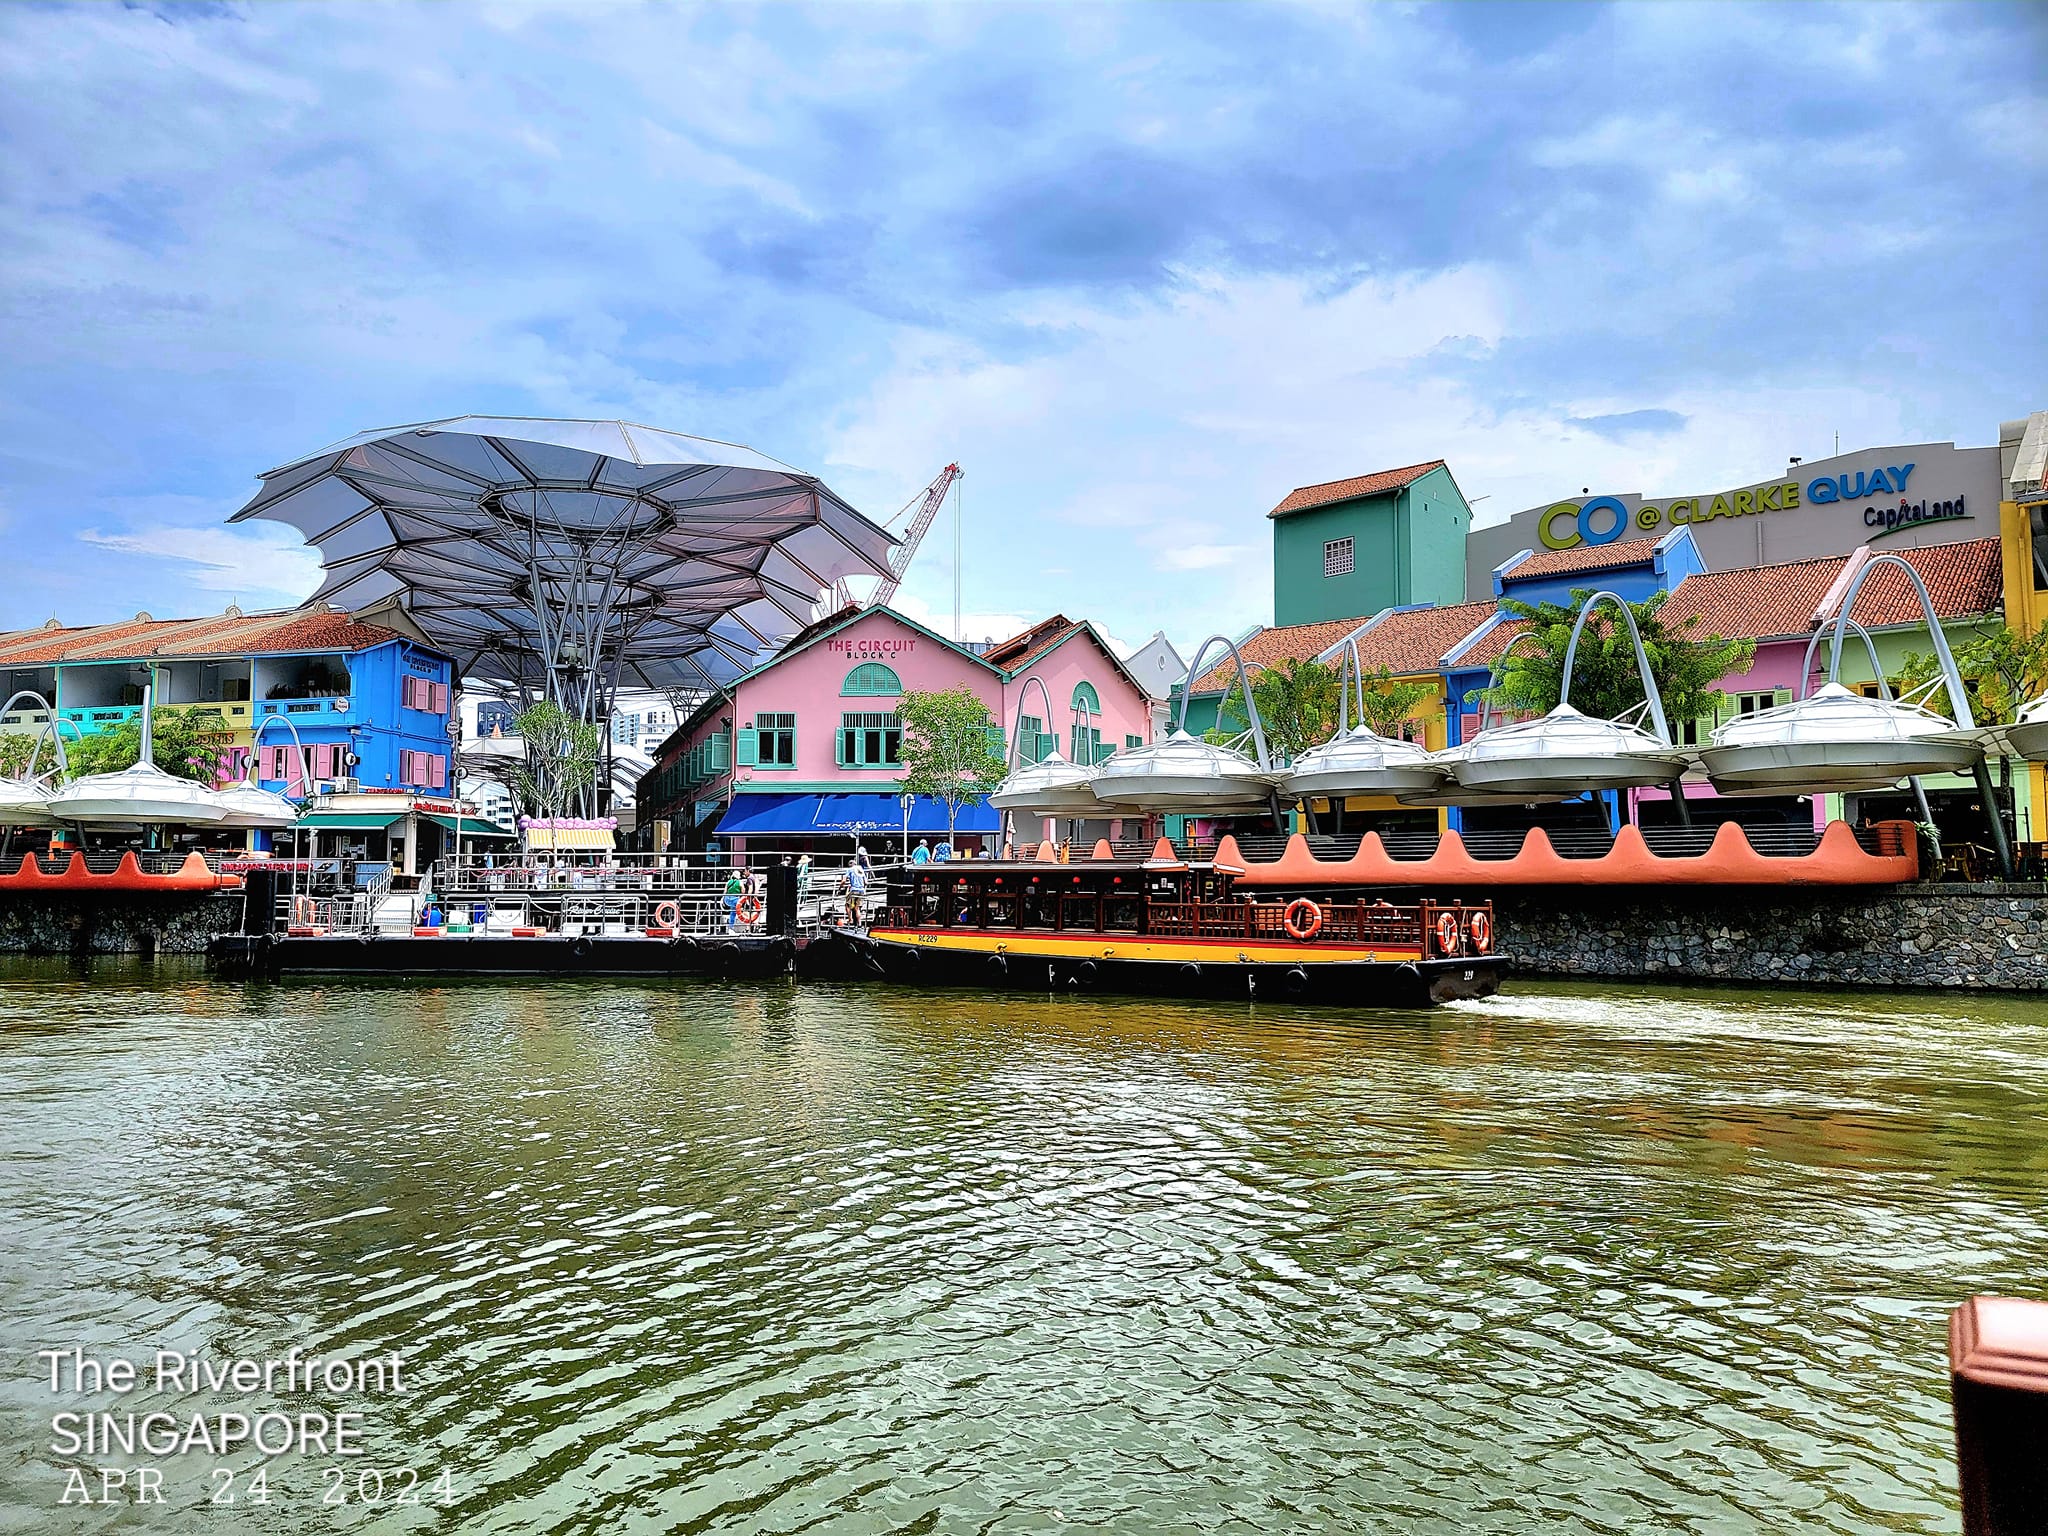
184	746
1297	703
1388	704
561	759
2003	671
1687	666
949	750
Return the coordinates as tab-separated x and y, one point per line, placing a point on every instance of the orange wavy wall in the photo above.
127	876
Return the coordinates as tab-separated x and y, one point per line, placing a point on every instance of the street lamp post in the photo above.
908	802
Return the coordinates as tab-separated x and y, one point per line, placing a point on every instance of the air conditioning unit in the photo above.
339	786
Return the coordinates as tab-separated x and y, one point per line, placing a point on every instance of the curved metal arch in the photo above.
1958	700
1180	720
305	766
1635	636
1017	730
1869	645
50	725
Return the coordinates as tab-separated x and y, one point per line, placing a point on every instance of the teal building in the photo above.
1349	548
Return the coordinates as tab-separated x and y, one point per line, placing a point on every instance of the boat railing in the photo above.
1358	921
677	875
571	912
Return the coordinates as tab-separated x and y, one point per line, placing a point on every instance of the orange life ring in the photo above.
667	915
1303	919
1447	932
1480	926
749	910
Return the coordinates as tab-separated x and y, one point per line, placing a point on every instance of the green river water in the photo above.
739	1258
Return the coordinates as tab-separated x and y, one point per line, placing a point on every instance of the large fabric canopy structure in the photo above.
566	559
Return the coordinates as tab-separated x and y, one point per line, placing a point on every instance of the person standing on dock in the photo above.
735	888
922	854
856	889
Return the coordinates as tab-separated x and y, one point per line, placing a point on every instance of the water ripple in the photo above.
757	1259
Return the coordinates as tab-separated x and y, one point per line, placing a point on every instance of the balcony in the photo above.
322	710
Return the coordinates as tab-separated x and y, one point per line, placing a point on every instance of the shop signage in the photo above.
892	646
1604	519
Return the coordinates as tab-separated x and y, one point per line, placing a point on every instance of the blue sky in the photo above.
1141	269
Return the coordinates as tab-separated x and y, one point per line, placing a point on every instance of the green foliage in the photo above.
1687	666
1297	702
562	755
184	746
1389	705
949	749
15	748
2002	669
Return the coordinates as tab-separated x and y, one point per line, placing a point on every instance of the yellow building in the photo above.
2023	531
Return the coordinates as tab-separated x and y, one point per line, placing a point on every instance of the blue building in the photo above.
312	694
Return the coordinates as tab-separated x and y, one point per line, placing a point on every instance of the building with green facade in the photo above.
1349	548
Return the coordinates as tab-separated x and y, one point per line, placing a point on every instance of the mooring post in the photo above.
1998	1384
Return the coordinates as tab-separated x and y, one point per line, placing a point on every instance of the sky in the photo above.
1139	269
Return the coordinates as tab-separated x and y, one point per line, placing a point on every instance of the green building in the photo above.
1348	548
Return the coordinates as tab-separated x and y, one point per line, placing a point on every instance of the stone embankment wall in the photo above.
1987	936
43	924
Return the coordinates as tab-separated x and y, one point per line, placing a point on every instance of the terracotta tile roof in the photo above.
1584	557
1401	642
1303	497
1778	601
1009	654
225	634
1486	650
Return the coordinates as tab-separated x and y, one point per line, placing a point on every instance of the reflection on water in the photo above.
752	1258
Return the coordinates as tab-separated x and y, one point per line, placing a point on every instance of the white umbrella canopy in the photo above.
1184	773
571	557
254	808
143	793
1360	761
1836	740
2028	735
1051	786
1564	752
25	803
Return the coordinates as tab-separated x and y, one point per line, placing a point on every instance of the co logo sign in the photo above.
1599	521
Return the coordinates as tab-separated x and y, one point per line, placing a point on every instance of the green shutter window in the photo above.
1131	742
997	744
871	680
775	740
749	748
1085	698
1031	740
721	752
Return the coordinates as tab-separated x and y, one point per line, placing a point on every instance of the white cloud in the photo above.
257	562
1202	557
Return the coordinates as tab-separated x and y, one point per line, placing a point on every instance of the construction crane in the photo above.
928	504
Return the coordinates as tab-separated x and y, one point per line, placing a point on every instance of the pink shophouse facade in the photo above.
802	751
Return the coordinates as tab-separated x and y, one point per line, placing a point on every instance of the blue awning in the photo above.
848	816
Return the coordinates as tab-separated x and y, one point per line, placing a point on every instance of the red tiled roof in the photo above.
1008	654
223	634
1401	642
1303	497
1778	601
1485	651
1584	557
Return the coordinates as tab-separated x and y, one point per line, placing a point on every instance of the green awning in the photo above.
343	821
472	826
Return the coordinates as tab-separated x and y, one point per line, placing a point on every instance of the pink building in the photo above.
802	751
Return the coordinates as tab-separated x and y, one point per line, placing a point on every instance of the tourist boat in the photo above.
1164	925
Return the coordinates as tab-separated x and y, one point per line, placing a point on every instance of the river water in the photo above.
740	1258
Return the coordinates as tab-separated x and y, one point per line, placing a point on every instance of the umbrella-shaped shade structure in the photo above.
1835	740
1562	753
1360	761
248	806
25	803
569	558
1050	787
1184	773
2028	736
143	793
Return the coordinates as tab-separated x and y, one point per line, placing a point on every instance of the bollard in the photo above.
1998	1383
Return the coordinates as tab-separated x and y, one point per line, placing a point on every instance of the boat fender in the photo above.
1480	927
1295	981
1191	974
580	948
998	966
1084	973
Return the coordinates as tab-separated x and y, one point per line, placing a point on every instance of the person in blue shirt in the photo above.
922	854
942	853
